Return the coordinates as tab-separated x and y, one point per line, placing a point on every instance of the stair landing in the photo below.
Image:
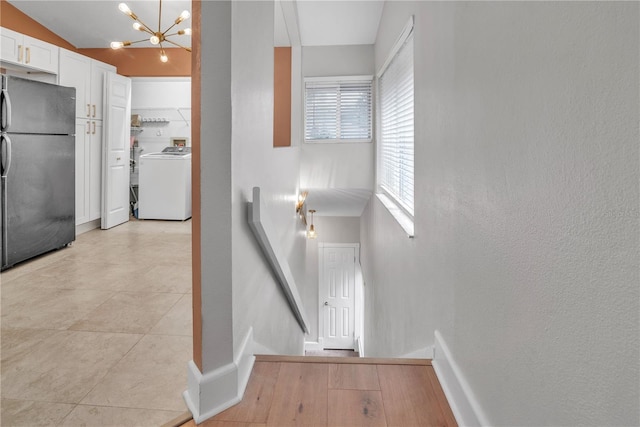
333	391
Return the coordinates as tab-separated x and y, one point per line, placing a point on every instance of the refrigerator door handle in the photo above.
6	110
5	163
6	154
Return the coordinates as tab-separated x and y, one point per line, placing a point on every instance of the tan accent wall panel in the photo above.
196	220
282	97
143	61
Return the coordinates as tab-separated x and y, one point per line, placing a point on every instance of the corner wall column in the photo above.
212	375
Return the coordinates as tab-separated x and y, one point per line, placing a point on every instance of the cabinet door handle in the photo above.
88	128
94	128
19	53
28	55
94	110
88	110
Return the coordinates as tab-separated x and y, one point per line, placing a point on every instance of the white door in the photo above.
338	297
115	158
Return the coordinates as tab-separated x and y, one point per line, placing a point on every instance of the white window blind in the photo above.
338	110
395	86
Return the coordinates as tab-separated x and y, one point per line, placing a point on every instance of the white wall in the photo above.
348	165
331	229
161	97
525	254
258	302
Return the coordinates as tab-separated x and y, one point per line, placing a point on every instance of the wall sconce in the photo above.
300	205
311	234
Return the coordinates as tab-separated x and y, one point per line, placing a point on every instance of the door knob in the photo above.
326	303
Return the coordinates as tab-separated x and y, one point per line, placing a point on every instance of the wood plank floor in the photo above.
338	392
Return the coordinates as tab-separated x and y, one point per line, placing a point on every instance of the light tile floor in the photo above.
99	334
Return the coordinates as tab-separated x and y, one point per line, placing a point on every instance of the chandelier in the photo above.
156	37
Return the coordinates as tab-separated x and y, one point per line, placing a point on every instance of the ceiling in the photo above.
96	23
338	201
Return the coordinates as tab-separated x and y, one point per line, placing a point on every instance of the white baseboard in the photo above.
87	226
461	398
262	349
422	353
360	347
312	346
209	394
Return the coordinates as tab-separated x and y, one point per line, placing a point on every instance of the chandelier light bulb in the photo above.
138	26
116	45
184	15
154	40
163	57
186	31
124	8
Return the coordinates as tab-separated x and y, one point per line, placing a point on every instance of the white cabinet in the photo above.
24	51
87	76
88	170
75	71
95	173
98	72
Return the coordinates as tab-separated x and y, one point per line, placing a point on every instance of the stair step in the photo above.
342	360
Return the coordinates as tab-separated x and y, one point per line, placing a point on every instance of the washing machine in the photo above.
164	188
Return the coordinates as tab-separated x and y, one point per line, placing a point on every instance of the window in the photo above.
338	109
395	141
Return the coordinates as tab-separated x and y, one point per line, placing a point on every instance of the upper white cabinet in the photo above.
25	51
87	76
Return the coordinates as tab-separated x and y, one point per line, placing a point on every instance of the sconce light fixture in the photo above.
300	206
311	234
300	203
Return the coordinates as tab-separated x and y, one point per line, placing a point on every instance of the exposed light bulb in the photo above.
138	26
116	45
186	31
154	40
184	15
124	8
163	57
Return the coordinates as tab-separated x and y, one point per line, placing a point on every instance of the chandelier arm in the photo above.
129	43
160	16
165	31
179	45
146	27
140	41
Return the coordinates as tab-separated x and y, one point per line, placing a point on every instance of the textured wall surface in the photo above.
526	253
215	187
336	165
258	301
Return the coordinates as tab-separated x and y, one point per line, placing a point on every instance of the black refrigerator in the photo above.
37	164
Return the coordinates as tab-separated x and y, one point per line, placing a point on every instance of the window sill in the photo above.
405	221
337	141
